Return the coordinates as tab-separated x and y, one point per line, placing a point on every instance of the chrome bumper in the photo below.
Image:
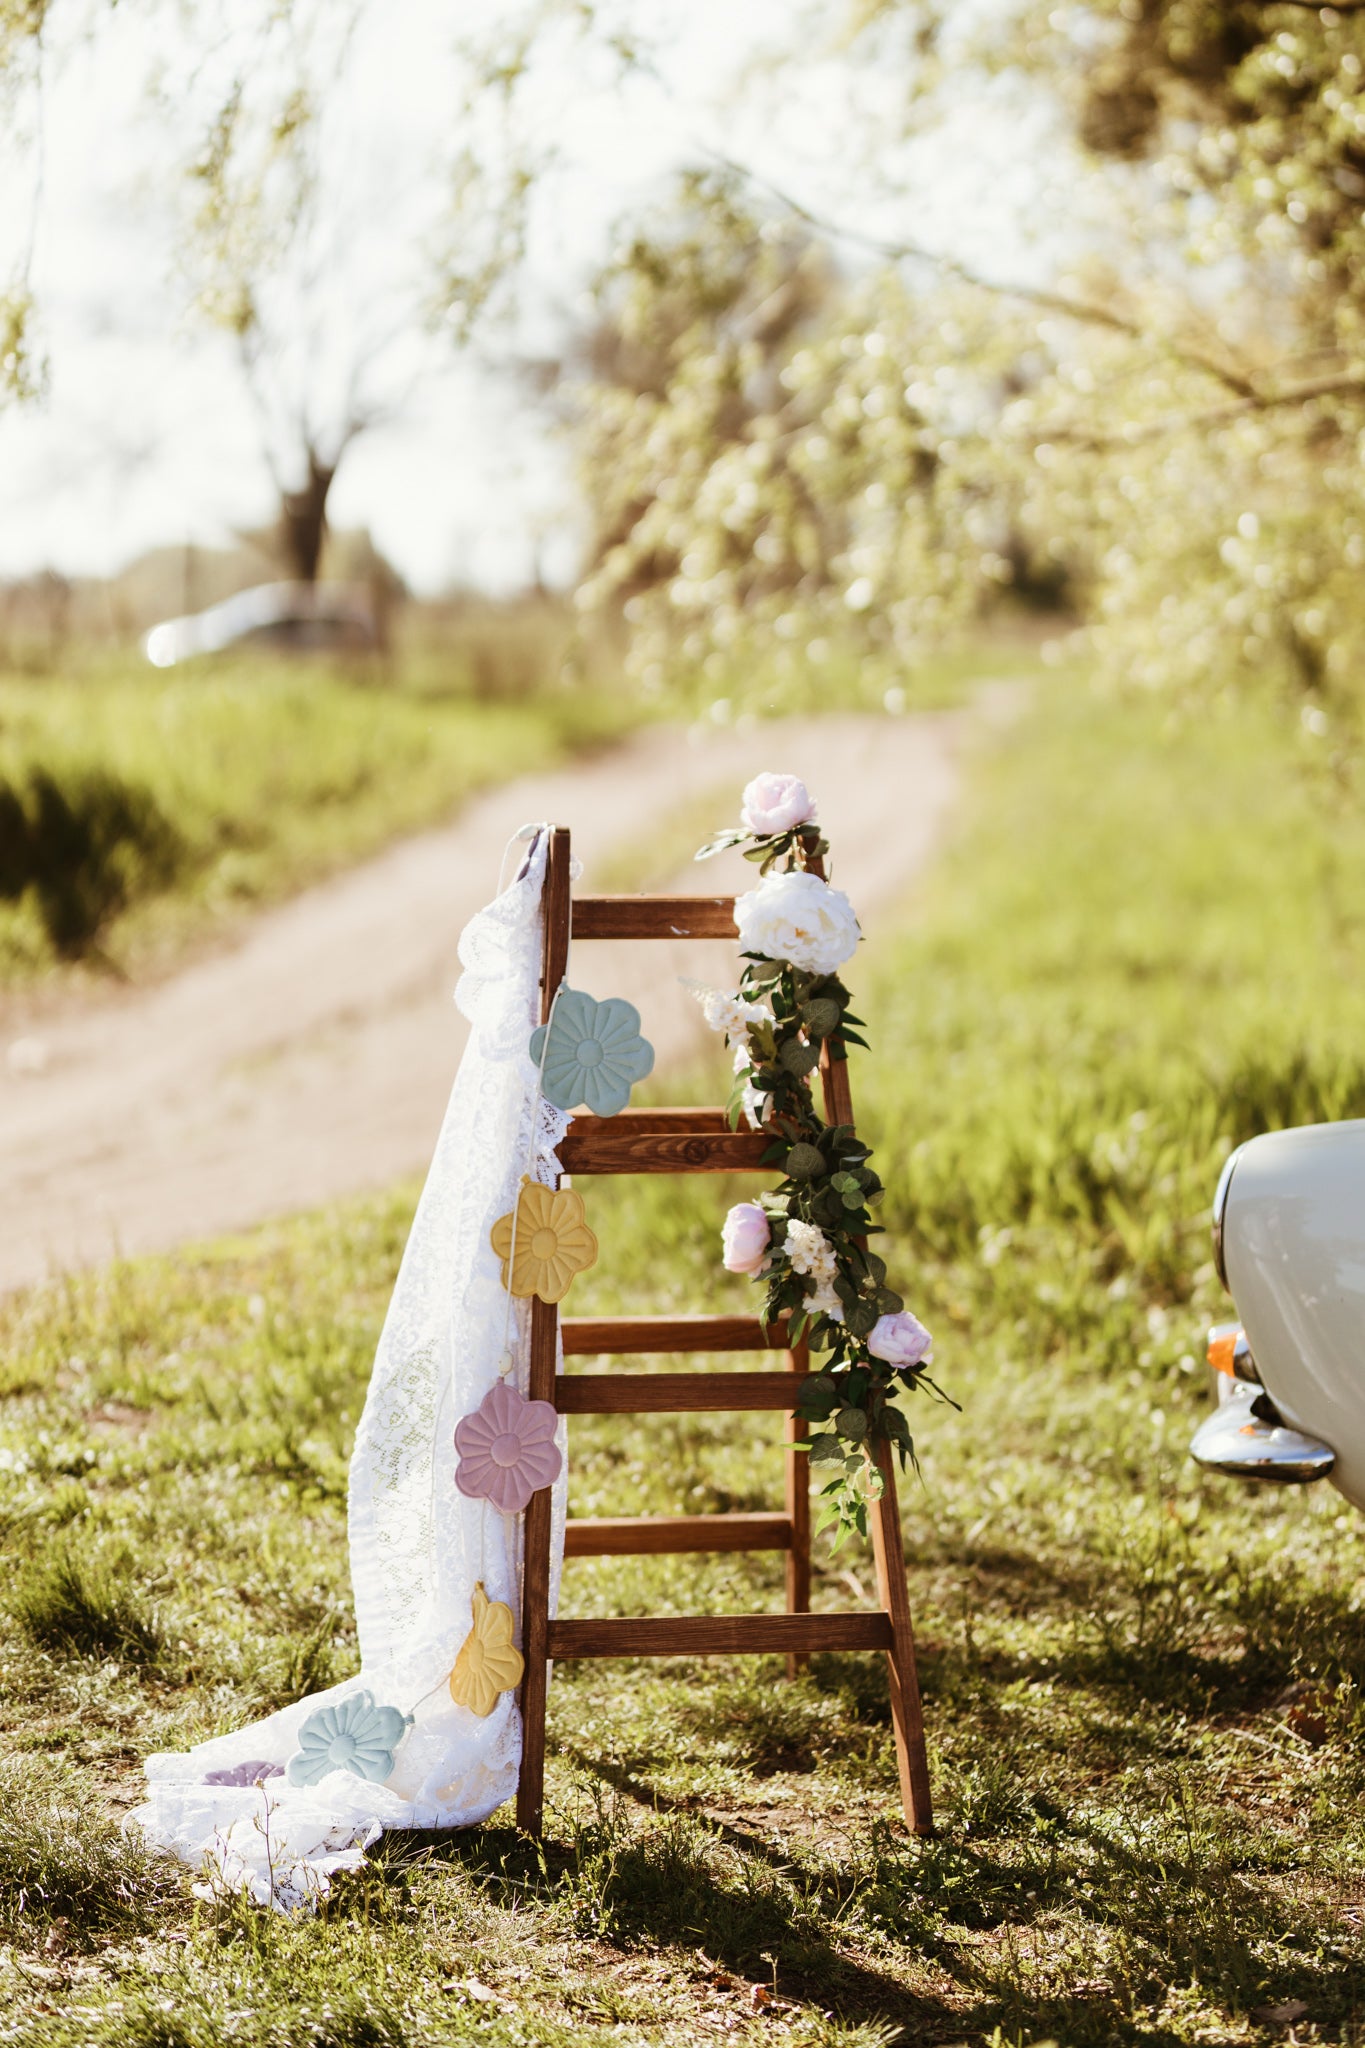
1245	1438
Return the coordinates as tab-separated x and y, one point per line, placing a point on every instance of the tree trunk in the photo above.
303	520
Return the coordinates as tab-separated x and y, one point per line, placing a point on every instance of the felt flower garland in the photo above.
807	1238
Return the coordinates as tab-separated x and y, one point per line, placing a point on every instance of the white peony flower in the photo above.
774	803
800	919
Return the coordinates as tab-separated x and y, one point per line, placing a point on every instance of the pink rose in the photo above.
774	803
745	1239
900	1339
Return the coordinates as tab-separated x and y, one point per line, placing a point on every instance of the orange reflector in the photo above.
1223	1347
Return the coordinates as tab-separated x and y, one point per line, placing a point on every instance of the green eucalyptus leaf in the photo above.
819	1395
804	1162
820	1017
826	1450
797	1057
852	1424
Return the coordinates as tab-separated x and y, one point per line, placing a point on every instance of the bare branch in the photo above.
1088	311
1347	383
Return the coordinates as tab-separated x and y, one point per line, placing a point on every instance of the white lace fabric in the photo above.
417	1545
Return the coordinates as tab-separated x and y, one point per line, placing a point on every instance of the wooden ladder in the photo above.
690	1141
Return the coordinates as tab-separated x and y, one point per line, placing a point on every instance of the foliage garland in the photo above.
792	1016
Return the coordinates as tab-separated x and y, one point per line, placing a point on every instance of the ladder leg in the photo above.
798	1512
535	1575
906	1715
535	1593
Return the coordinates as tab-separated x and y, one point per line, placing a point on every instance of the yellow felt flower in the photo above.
553	1242
489	1664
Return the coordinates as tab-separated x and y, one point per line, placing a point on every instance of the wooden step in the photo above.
669	1535
675	1393
661	1141
653	917
593	1336
719	1635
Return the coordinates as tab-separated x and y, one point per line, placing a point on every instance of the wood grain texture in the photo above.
833	1072
602	1145
718	1635
673	1393
667	1535
654	917
556	912
907	1718
797	1475
544	1349
639	1336
681	1116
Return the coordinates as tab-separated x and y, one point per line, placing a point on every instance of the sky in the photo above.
146	434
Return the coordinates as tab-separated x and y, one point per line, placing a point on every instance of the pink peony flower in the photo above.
774	803
745	1238
507	1449
900	1339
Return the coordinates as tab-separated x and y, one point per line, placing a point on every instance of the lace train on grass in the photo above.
417	1544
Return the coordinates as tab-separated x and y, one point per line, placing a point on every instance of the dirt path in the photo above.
314	1058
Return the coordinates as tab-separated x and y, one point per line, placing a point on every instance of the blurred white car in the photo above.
310	617
1289	1241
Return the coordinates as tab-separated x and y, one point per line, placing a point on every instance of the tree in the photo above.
22	24
348	245
1175	414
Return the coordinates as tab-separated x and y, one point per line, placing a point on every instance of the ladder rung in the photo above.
658	1535
662	1143
653	917
668	1116
675	1393
718	1635
591	1336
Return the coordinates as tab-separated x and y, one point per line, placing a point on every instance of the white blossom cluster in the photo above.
730	1013
811	1254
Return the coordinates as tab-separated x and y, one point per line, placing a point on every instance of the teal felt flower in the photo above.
353	1735
595	1053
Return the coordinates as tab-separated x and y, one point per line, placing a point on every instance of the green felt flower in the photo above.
353	1735
595	1053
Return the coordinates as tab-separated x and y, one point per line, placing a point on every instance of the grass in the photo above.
139	810
1144	1687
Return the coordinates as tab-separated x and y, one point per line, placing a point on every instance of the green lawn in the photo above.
1142	1686
141	810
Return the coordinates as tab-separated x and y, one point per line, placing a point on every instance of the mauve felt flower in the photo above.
900	1339
798	918
489	1662
553	1242
507	1449
745	1237
594	1053
252	1773
774	803
351	1735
